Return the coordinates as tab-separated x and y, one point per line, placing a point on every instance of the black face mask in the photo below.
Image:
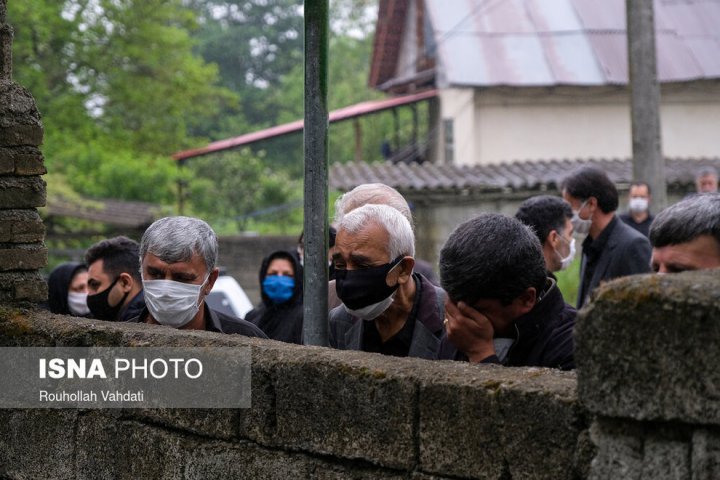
360	288
99	306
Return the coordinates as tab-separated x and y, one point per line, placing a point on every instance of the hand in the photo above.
470	331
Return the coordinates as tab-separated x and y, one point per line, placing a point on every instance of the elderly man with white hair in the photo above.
387	308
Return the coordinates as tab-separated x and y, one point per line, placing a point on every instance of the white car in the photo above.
228	297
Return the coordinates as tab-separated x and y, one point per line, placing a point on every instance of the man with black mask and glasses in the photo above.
114	283
387	308
178	257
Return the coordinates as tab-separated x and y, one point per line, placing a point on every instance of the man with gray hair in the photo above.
177	263
386	308
686	236
380	194
706	180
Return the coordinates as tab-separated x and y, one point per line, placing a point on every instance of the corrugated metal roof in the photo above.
567	42
527	175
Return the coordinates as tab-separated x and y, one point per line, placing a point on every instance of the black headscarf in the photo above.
59	285
280	321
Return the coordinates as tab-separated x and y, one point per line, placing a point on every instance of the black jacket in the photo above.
280	321
133	309
59	285
544	336
618	251
217	322
346	331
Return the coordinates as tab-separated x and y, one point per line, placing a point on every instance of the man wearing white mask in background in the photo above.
549	217
611	249
638	215
387	308
178	257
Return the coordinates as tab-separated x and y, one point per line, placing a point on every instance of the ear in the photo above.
402	272
526	301
211	280
553	238
126	281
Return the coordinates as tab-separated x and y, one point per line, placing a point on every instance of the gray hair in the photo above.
400	233
371	193
686	220
177	239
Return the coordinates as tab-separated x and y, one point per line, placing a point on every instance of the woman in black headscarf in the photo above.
280	315
67	290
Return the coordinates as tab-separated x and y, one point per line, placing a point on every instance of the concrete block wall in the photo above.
648	356
316	413
22	190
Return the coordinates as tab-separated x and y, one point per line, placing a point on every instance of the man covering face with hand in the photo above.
387	308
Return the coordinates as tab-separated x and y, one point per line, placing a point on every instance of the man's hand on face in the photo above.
471	331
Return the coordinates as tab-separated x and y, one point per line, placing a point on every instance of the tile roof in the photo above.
515	176
121	213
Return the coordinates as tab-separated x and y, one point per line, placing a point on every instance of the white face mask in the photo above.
638	204
371	311
77	304
566	261
172	303
581	226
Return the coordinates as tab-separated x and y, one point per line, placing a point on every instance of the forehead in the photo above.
97	269
639	190
697	254
573	201
194	266
371	241
280	264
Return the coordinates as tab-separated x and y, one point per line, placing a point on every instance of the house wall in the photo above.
503	124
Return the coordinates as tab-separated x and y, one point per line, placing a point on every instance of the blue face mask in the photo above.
278	287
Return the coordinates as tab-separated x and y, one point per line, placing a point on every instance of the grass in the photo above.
569	280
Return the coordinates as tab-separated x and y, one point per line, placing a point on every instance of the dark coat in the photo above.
346	331
59	285
217	322
133	309
626	252
280	321
642	227
544	336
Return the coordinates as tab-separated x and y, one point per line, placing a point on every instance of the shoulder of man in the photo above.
230	324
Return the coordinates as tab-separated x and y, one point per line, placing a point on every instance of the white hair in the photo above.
375	194
400	233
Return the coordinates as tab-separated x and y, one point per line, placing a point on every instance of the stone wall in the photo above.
648	357
22	190
316	413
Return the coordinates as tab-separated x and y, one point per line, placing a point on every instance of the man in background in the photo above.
638	215
114	284
686	236
611	249
549	217
706	180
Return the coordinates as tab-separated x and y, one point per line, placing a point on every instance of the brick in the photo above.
666	459
21	226
17	106
476	421
24	160
639	338
23	257
21	135
37	444
705	455
22	192
22	286
620	450
6	37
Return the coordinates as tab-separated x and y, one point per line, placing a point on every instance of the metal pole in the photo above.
648	162
315	303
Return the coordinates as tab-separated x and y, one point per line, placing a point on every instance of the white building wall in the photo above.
496	125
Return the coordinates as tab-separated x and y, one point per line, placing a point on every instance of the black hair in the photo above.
587	182
544	213
119	255
640	183
686	220
491	256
